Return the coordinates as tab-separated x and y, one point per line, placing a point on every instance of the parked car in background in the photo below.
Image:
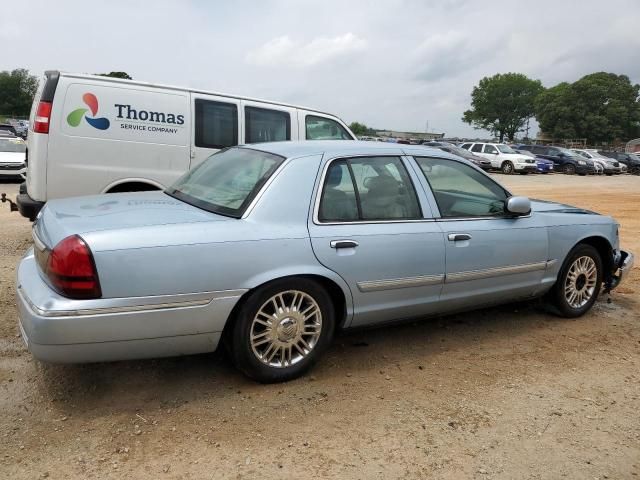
91	134
564	160
7	127
272	248
6	134
602	167
503	157
630	160
611	166
542	164
20	129
12	158
481	162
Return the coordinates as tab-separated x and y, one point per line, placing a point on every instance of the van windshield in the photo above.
227	181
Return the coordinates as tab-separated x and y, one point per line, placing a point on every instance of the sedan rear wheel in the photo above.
281	329
507	168
569	169
579	281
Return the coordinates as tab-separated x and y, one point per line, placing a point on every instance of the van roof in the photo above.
173	87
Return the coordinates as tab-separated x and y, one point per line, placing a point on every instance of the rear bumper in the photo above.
13	170
622	264
28	207
60	330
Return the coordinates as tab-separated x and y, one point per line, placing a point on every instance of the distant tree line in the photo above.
600	107
18	87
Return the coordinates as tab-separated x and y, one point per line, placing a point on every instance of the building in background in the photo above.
409	135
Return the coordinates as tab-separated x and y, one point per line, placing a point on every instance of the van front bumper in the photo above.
28	207
61	330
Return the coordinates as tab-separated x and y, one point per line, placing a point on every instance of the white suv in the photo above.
503	157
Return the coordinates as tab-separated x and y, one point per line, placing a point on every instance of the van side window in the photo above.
216	124
321	128
263	125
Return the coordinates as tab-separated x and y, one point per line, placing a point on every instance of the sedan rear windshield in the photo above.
17	146
227	181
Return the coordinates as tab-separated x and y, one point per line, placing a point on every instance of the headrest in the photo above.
334	178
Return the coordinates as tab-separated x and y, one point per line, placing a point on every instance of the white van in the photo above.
91	135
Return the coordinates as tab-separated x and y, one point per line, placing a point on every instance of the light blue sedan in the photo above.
271	248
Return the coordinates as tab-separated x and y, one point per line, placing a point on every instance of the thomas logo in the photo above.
75	117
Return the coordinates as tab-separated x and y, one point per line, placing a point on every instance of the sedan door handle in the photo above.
343	244
459	237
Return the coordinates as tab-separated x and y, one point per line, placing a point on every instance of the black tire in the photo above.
239	345
569	169
507	167
635	171
558	295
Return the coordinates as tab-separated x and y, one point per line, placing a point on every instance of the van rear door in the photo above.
216	125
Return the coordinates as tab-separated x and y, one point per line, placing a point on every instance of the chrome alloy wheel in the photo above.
286	329
580	283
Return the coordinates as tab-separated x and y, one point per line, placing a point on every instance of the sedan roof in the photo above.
335	148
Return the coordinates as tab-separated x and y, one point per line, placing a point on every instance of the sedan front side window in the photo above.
461	190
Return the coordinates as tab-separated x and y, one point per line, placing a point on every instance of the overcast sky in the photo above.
395	63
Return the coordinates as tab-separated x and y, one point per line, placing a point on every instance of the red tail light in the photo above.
72	271
43	115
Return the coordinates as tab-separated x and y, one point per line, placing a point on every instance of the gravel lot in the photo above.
509	392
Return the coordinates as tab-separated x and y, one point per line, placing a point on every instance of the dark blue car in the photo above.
542	164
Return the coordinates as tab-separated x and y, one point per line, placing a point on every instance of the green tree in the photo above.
358	128
17	89
600	107
503	103
124	75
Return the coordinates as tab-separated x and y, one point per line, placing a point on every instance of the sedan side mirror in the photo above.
519	205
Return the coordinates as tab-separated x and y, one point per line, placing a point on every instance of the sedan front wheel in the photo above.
281	329
579	282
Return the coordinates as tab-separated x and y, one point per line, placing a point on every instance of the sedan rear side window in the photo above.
321	128
461	190
368	189
216	124
264	125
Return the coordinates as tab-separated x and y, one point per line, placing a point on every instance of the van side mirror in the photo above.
518	205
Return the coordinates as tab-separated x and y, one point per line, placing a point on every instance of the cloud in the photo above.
395	66
284	51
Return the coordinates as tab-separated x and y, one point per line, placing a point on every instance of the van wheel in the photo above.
579	282
281	330
507	167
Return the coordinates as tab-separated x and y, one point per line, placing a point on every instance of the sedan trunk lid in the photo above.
117	211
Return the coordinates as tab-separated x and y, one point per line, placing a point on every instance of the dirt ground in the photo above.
508	392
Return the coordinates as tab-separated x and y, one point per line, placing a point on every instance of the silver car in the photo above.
271	248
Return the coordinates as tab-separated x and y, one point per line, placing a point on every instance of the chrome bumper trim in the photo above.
135	304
